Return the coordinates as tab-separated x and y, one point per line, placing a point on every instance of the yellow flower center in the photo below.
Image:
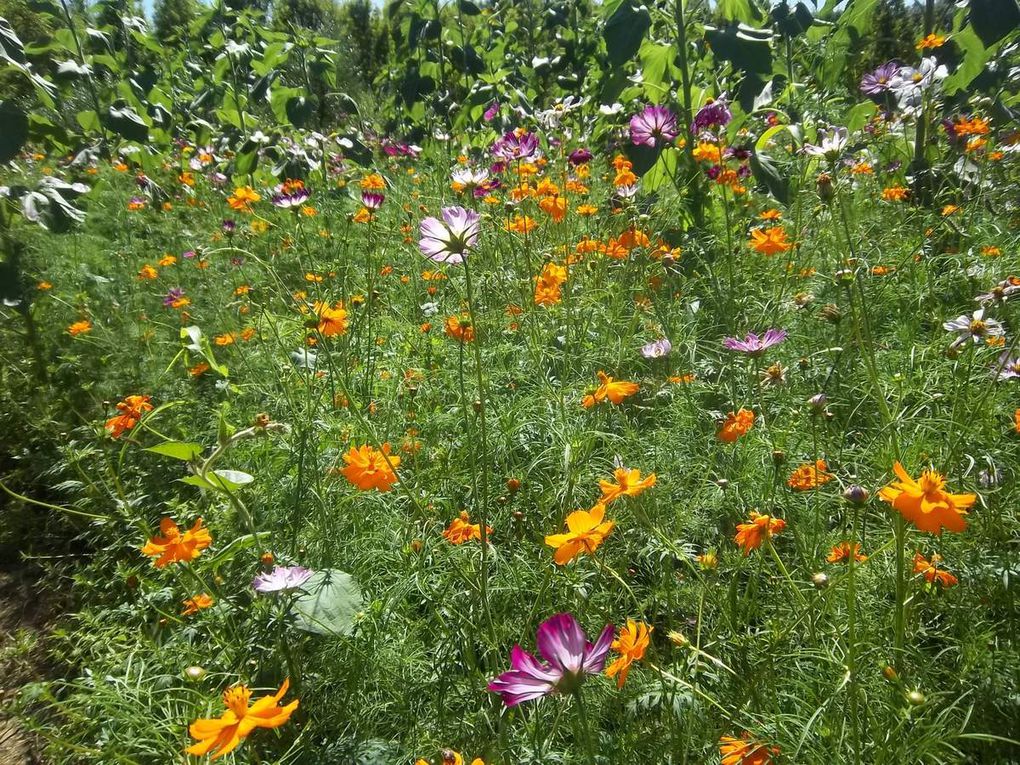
978	327
931	482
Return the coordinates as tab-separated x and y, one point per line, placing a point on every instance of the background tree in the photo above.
172	18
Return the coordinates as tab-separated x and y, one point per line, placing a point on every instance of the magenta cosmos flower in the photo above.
282	579
563	644
753	345
655	125
515	145
449	240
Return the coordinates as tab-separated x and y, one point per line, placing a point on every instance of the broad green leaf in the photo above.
625	30
13	131
331	601
746	48
992	20
178	450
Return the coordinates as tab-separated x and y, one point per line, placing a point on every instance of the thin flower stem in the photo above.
785	572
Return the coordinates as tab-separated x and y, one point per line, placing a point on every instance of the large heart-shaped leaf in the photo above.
328	607
992	20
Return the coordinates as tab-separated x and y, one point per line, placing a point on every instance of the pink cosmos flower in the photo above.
655	125
282	579
753	345
657	348
514	146
563	644
450	239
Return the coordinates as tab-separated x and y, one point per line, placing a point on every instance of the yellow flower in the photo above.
628	483
925	504
223	734
631	644
586	530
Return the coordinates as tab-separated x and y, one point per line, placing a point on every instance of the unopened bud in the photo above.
677	639
916	698
195	673
820	580
856	495
818	402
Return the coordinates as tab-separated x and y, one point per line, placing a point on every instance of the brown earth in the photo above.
23	618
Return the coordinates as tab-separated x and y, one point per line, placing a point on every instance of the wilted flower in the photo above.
461	530
563	644
654	126
450	239
753	345
657	348
282	579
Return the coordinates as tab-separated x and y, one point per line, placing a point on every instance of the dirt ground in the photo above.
22	620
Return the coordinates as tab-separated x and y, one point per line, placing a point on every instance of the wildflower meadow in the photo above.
509	381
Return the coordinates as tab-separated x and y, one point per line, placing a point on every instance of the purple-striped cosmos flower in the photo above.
563	644
449	240
580	156
654	126
1008	366
282	579
877	82
657	348
753	345
287	200
173	295
712	115
515	145
372	199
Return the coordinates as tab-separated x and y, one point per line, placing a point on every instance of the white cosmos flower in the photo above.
449	240
975	328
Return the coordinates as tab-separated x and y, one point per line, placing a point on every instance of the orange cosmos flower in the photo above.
706	151
520	224
745	751
950	210
931	571
895	193
131	411
925	504
769	241
1016	420
931	41
613	390
460	328
548	286
461	530
628	483
373	182
735	425
369	469
222	735
586	210
842	551
196	604
332	321
554	207
586	530
771	214
171	546
44	285
624	177
80	328
147	273
243	198
808	477
631	644
750	535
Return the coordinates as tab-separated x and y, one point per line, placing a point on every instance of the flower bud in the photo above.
195	673
267	559
820	580
889	673
778	457
916	698
818	402
677	639
856	495
831	313
513	485
722	483
416	546
824	185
